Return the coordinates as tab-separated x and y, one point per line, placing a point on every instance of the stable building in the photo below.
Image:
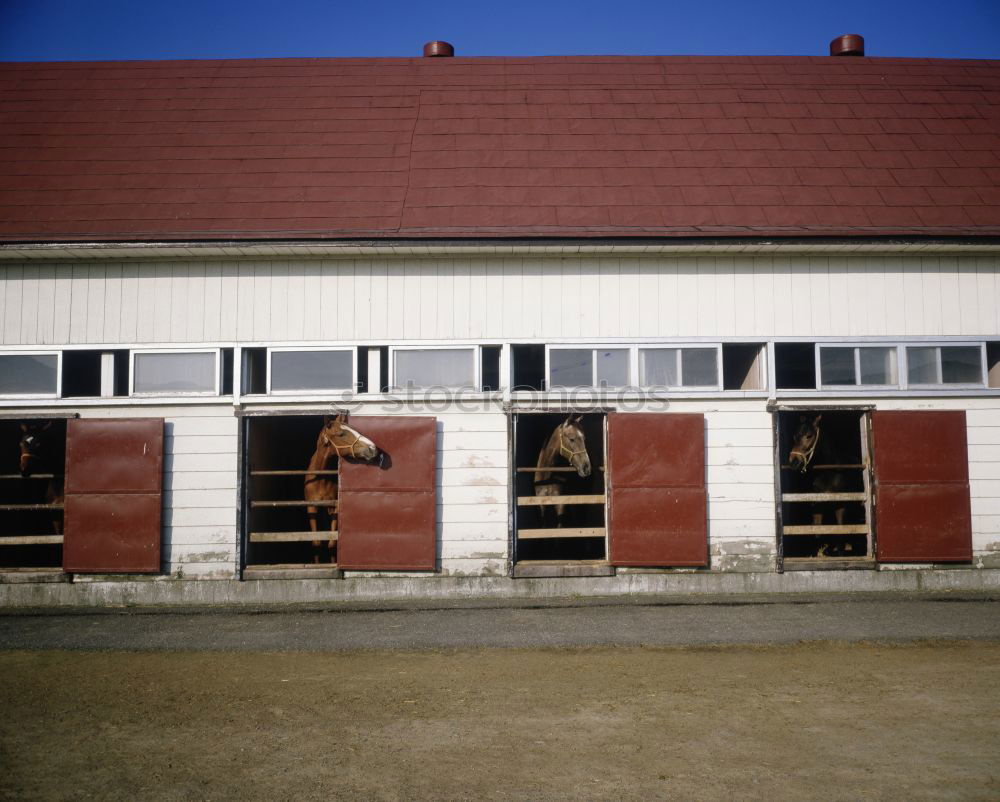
640	323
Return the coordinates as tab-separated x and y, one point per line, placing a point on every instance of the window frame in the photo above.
217	352
312	390
856	347
476	350
37	396
679	347
549	347
940	384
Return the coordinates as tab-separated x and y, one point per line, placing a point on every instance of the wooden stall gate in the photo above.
923	509
114	495
388	509
658	512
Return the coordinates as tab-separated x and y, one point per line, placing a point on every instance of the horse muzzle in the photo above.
583	469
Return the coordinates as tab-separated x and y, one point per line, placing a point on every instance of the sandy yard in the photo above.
819	721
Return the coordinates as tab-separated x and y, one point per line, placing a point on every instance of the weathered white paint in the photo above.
530	297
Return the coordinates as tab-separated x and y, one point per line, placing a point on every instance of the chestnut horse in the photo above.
566	441
36	457
336	439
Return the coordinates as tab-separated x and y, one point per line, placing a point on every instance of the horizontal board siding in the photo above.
198	536
199	480
740	481
206	499
501	297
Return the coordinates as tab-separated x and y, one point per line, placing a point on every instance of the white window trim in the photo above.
857	346
717	347
905	383
191	393
314	390
593	348
476	367
30	396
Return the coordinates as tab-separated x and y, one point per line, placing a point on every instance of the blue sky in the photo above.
49	30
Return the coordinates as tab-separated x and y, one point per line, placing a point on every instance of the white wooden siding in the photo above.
496	298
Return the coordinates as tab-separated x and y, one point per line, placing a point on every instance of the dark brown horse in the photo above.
36	457
566	442
810	448
336	439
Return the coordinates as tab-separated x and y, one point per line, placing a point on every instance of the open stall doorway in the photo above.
559	514
280	454
825	488
32	462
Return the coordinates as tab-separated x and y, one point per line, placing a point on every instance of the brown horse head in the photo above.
804	443
573	445
337	436
32	445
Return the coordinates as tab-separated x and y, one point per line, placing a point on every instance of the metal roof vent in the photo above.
438	50
850	44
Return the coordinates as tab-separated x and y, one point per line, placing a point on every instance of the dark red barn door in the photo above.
113	504
922	511
388	512
658	512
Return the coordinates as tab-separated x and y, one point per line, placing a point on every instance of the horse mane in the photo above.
547	458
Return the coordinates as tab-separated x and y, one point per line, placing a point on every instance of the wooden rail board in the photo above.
823	529
291	537
824	497
549	501
30	540
31	476
560	469
317	503
530	534
294	473
826	467
23	507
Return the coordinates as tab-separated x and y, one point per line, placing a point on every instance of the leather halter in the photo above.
806	455
348	448
565	451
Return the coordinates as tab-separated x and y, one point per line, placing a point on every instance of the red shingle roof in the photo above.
512	147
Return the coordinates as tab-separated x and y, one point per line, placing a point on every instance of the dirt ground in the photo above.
819	721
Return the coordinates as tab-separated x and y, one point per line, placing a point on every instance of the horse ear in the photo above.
816	419
24	427
326	420
341	418
578	419
47	426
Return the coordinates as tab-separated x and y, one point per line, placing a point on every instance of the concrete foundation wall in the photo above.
129	592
